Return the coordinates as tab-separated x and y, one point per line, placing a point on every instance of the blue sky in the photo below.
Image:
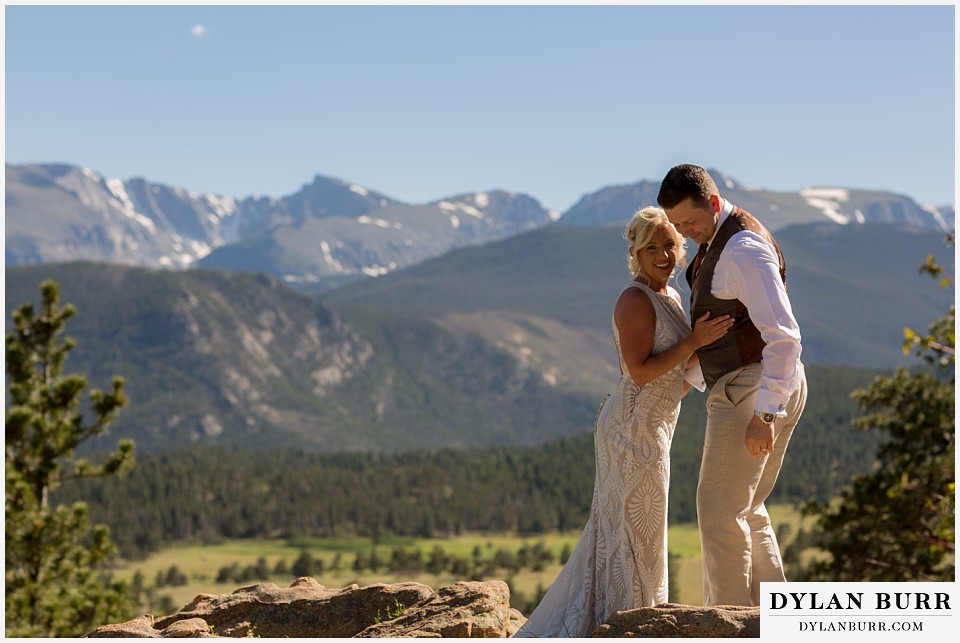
423	102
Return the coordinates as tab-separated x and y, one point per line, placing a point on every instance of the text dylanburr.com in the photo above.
910	611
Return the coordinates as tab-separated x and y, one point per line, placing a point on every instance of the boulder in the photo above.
670	620
138	628
306	609
467	609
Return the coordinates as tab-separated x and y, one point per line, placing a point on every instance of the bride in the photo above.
620	561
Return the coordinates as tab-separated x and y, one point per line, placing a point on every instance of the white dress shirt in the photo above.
748	269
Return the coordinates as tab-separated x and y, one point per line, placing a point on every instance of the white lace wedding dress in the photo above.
620	561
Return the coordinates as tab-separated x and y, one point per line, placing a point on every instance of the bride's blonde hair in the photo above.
641	229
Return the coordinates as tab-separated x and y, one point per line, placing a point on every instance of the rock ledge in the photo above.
465	609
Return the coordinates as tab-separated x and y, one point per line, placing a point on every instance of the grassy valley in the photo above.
528	564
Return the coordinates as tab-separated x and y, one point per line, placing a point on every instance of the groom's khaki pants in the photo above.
738	545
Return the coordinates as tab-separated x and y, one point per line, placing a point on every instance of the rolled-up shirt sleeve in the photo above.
694	377
749	270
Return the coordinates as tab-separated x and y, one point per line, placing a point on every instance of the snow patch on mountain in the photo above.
451	206
377	270
727	181
186	251
380	223
126	207
220	206
309	278
828	201
328	257
935	213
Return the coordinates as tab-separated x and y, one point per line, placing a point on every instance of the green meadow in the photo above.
201	564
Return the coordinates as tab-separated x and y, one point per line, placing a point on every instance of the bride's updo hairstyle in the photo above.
641	229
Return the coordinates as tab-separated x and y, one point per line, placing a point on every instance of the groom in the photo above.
756	381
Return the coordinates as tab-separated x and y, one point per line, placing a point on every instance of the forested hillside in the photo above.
212	493
504	344
239	359
853	288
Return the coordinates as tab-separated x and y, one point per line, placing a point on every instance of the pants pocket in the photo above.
735	388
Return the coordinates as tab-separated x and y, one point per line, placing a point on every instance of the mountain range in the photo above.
777	210
333	232
328	233
497	335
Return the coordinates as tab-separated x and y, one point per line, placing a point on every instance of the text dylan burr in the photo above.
855	601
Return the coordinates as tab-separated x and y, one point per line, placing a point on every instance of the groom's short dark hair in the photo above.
684	182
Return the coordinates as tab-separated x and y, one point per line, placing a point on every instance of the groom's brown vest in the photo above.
743	344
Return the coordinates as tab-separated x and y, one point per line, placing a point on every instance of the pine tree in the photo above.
897	523
304	564
55	585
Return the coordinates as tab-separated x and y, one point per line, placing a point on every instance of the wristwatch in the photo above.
767	418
